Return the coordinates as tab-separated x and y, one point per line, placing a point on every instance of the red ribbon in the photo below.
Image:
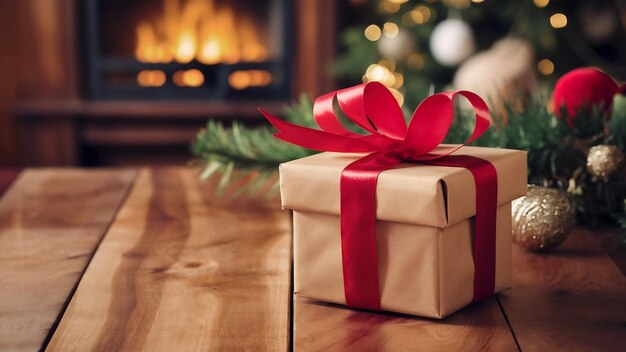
372	107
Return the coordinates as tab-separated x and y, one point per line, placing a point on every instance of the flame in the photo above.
189	78
250	78
200	30
151	78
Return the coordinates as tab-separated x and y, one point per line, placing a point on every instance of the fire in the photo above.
250	78
198	29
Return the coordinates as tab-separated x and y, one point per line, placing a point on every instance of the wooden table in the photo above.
150	260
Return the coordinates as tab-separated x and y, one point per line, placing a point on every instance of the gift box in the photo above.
407	224
424	229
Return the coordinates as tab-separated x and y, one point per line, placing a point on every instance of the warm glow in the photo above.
188	78
200	30
415	62
151	78
558	20
477	1
250	78
541	3
396	94
546	67
390	30
399	80
420	14
389	63
185	48
389	7
376	72
459	4
372	32
384	72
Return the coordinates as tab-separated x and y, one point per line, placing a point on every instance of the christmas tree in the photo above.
498	48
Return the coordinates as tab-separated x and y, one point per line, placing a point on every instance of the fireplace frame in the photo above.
59	124
97	64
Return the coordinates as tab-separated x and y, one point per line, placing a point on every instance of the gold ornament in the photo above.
604	160
542	219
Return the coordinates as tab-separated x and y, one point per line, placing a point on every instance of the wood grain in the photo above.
315	46
325	327
613	243
49	52
51	221
179	271
572	299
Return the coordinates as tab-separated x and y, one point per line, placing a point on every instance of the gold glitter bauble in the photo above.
604	160
542	219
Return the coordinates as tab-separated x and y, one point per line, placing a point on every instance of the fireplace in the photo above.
187	49
128	82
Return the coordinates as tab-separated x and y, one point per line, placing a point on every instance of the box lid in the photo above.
410	193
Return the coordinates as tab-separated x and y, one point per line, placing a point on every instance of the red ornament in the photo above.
584	88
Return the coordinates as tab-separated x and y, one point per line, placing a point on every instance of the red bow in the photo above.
372	107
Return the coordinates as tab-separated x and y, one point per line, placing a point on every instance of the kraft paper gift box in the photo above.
424	229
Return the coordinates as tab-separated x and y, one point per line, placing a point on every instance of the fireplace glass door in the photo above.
187	49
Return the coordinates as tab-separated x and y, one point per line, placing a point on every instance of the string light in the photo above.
376	72
389	63
558	20
459	4
541	3
383	72
420	14
396	94
390	30
415	62
477	1
407	19
389	7
372	32
546	67
399	80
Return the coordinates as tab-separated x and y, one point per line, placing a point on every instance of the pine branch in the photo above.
556	152
241	152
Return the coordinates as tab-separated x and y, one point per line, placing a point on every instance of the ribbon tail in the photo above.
486	184
315	139
358	224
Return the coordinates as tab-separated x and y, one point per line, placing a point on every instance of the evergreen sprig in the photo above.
557	152
239	152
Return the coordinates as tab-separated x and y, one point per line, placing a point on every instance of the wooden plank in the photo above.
180	271
572	299
325	327
612	241
51	221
